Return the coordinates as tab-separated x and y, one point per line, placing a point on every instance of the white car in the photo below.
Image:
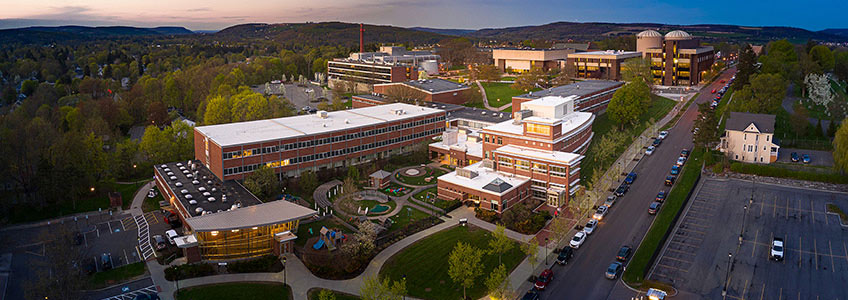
681	160
610	201
663	135
650	150
171	234
777	249
578	239
590	226
600	213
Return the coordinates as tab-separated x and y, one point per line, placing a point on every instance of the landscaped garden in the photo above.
236	290
425	263
408	214
395	189
429	196
313	295
420	175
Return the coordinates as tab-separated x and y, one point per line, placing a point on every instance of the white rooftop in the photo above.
557	156
275	212
470	147
569	122
483	178
280	128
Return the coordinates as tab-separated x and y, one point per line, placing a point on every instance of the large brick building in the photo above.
427	90
597	64
676	58
589	96
535	155
360	76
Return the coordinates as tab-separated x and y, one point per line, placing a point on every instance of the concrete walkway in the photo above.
486	99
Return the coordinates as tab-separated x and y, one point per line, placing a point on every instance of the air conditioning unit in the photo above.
323	114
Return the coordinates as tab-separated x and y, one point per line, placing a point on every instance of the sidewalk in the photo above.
486	99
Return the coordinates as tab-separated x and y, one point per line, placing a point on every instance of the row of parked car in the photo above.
721	91
656	143
803	158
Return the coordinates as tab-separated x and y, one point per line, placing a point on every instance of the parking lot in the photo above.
706	240
817	158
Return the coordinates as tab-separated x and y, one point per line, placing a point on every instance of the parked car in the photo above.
630	178
655	294
590	226
600	213
654	208
795	157
622	189
614	270
713	91
106	261
669	180
78	238
681	160
657	142
624	253
531	295
806	158
777	249
172	219
564	255
610	201
578	239
675	169
543	279
660	196
171	235
650	150
160	242
663	134
684	153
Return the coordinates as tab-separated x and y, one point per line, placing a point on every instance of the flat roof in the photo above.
557	156
236	194
569	123
432	86
471	113
232	134
579	89
607	53
274	212
484	177
473	148
371	97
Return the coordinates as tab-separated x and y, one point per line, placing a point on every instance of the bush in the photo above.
186	271
772	171
486	215
266	264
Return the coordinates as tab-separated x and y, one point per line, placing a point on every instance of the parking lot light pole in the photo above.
726	274
546	252
744	217
284	271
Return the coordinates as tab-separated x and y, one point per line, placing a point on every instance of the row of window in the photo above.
329	140
328	154
524	165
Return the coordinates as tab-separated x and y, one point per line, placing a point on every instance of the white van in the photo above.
171	234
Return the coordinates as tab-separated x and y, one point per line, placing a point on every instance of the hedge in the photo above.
186	271
773	171
264	264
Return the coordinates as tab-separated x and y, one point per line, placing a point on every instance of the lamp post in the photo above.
284	271
744	217
726	274
546	252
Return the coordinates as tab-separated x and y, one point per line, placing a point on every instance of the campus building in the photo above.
461	143
426	60
749	138
360	76
589	96
597	64
428	90
676	58
523	60
325	140
222	220
536	155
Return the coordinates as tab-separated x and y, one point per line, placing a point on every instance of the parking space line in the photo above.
671	267
696	224
690	216
763	293
846	251
787	208
832	264
812	212
817	254
684	244
786	238
781	294
677	259
756	235
679	251
774	213
744	289
110	226
692	230
799	252
761	208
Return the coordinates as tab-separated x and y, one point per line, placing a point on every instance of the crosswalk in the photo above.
144	246
131	295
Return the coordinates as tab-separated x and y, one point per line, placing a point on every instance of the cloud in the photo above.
199	9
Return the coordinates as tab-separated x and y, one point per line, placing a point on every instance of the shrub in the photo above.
181	272
267	263
772	171
486	215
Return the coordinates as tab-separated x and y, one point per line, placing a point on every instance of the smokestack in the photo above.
361	32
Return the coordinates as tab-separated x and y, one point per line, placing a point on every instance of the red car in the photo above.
723	81
544	278
713	91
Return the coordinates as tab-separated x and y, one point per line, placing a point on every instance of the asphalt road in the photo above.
628	220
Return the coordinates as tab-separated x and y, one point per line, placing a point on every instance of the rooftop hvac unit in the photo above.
323	114
198	210
347	121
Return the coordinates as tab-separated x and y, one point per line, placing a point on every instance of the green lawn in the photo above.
237	290
603	125
499	94
100	200
433	191
151	204
408	214
303	230
663	222
426	268
420	180
508	78
115	276
508	109
313	295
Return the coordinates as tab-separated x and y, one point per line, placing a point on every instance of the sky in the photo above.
460	14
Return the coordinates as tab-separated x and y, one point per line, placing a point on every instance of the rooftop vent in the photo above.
398	111
323	114
462	172
347	121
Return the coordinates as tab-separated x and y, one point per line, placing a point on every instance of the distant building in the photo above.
597	64
676	58
361	76
750	138
589	96
522	60
430	90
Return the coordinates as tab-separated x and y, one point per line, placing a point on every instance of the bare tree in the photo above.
59	272
403	94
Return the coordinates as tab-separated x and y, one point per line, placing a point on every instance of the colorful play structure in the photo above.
396	190
329	238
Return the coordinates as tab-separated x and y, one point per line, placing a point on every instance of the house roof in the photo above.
381	174
497	186
739	121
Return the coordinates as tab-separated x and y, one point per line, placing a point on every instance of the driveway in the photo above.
817	158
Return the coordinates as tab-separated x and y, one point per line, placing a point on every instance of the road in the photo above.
628	220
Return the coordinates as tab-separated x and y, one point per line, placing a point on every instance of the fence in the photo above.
806	144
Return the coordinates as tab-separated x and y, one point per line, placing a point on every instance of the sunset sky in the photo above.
471	14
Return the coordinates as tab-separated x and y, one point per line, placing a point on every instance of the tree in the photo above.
500	243
823	57
707	125
625	107
404	94
800	120
529	80
373	288
746	66
485	73
157	114
818	88
498	284
353	173
840	68
563	76
472	96
559	228
217	111
464	265
456	51
637	69
831	129
308	181
840	147
359	248
326	295
262	182
28	87
763	95
531	249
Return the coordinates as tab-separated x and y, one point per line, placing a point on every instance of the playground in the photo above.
429	196
419	175
327	239
396	190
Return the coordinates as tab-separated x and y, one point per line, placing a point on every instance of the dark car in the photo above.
806	158
543	279
146	297
675	169
657	142
630	178
624	253
654	208
564	255
621	190
78	238
106	261
795	157
684	153
172	219
614	270
660	196
669	180
531	295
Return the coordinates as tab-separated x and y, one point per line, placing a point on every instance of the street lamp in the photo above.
744	217
284	271
546	252
726	274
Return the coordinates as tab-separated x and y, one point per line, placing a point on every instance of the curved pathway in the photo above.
486	99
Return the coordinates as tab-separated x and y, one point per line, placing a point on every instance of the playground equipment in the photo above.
329	237
397	190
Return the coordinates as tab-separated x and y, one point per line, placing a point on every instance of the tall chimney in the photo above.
361	44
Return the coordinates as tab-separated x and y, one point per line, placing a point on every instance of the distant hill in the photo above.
327	33
456	32
562	31
43	34
836	31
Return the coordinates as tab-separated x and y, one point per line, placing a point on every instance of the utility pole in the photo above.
726	274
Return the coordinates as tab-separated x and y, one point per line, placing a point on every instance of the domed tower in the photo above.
678	35
648	39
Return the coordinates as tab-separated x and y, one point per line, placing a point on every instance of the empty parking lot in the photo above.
706	240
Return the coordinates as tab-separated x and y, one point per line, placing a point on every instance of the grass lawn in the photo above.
508	78
420	180
115	276
313	295
395	189
603	125
433	191
426	268
237	290
641	260
408	214
127	192
26	213
151	204
303	230
499	94
832	208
